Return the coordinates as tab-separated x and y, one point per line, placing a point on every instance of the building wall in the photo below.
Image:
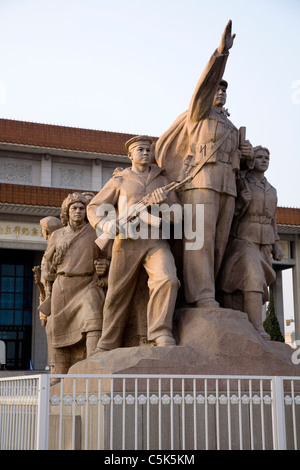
23	175
57	171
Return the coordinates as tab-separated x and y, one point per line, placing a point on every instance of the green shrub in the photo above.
271	324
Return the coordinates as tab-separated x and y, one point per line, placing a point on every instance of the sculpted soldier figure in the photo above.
247	267
73	262
49	225
210	142
130	254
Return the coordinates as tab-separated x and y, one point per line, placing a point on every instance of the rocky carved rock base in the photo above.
210	342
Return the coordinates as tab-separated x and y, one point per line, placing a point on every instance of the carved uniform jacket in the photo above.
125	188
247	264
76	299
129	256
258	223
219	172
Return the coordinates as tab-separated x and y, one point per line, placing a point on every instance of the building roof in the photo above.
288	216
33	195
61	137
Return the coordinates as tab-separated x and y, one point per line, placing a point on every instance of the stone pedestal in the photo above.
210	342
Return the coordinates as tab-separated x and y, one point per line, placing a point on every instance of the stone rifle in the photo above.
139	211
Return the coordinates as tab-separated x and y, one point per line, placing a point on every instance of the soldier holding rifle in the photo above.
130	254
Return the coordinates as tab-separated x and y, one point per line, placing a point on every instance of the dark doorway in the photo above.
16	284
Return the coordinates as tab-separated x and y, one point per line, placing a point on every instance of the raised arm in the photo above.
226	40
206	88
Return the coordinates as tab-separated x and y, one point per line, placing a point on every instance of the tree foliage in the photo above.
271	324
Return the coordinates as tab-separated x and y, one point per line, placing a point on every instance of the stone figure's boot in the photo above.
253	307
92	338
165	340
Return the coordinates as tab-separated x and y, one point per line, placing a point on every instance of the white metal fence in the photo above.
24	412
150	412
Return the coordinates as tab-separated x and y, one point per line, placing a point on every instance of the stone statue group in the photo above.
95	261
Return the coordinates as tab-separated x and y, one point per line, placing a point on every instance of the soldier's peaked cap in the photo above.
223	83
137	139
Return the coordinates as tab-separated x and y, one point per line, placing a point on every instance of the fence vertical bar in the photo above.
73	413
279	434
183	415
60	415
27	414
217	415
86	413
7	418
136	414
99	414
22	419
124	415
19	414
159	414
240	415
228	414
13	417
6	430
171	415
33	407
294	415
251	414
42	422
33	391
1	412
262	415
111	435
195	414
206	414
148	414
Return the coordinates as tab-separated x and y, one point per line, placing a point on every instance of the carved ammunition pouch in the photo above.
235	159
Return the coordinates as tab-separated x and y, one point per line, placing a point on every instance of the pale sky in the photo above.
131	66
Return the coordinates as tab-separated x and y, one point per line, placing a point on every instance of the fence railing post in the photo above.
279	428
42	430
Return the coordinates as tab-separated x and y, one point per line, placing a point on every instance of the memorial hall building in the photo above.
40	165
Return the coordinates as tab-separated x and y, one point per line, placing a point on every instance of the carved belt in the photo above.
216	156
261	219
75	275
224	157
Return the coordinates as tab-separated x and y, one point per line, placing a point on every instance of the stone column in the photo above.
96	175
46	170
